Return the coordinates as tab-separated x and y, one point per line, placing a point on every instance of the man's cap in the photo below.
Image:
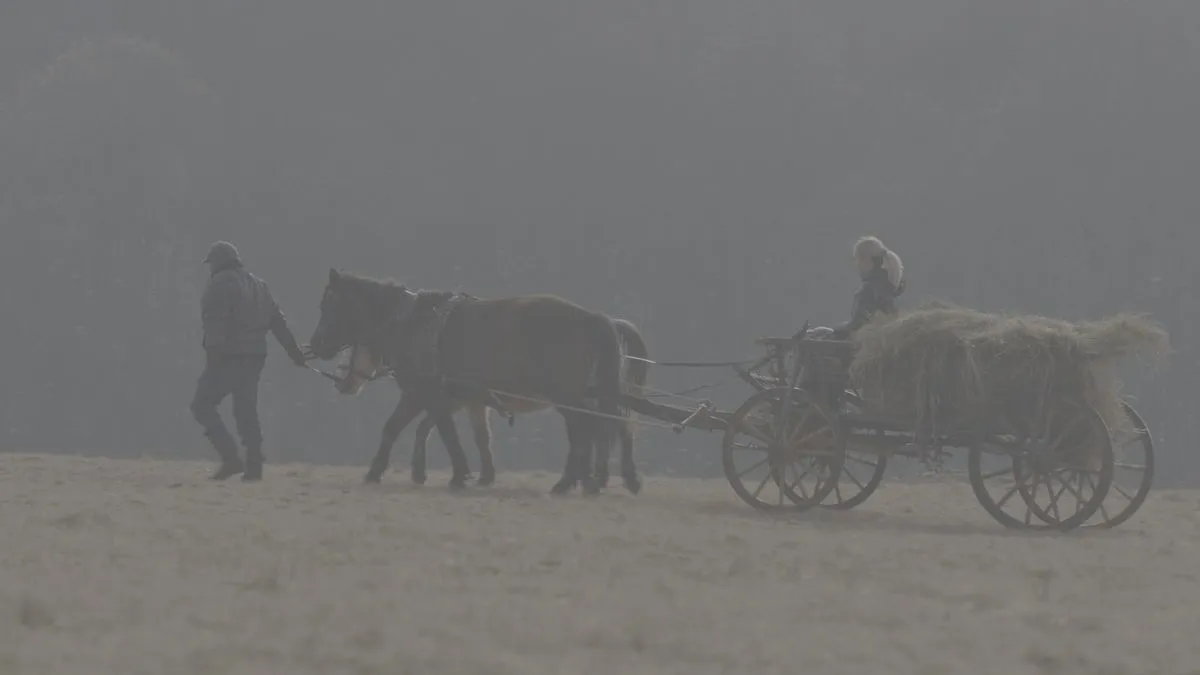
221	253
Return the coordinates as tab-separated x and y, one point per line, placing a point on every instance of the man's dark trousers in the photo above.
236	376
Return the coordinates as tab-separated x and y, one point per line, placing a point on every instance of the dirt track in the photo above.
132	567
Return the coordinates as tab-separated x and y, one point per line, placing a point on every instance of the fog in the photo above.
700	168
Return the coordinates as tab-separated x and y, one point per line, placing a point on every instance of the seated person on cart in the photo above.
882	275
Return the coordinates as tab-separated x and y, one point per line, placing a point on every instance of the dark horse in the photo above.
361	369
446	351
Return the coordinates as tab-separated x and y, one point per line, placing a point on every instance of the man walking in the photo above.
237	310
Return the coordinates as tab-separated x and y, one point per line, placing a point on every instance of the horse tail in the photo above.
637	369
609	359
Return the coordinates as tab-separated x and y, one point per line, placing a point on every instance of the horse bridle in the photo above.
377	336
378	372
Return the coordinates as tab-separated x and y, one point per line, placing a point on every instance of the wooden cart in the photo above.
816	443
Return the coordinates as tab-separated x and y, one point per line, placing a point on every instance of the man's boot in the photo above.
231	464
229	468
254	465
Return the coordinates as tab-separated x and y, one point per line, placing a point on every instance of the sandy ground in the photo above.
132	567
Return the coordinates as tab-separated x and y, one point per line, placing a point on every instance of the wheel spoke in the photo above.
763	484
1054	497
850	474
800	483
799	476
808	438
1008	496
780	421
757	435
1077	493
1123	493
1103	511
853	478
757	464
791	440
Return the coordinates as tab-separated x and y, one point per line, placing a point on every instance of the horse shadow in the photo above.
402	486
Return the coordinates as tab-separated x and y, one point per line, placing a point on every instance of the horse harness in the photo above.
417	335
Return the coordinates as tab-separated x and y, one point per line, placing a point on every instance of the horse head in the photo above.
356	311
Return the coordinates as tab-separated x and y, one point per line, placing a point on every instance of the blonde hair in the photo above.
866	249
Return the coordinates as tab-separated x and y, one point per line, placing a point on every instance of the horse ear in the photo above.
334	276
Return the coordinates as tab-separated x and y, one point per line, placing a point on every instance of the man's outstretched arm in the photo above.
283	334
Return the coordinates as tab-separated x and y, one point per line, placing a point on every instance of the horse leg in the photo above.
570	471
478	414
579	456
420	445
601	448
406	411
570	476
629	473
417	470
442	412
585	431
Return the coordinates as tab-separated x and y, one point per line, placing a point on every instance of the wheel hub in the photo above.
1040	456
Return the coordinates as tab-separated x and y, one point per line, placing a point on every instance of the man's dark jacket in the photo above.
876	295
237	310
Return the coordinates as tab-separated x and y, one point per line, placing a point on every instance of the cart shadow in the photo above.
874	521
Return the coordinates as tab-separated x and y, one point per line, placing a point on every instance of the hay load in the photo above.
949	368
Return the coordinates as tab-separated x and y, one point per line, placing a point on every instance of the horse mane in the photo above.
382	292
377	291
363	281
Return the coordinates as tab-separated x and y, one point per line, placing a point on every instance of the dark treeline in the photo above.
701	168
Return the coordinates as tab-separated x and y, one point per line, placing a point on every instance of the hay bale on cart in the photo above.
952	369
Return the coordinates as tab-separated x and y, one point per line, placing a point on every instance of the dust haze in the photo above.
700	168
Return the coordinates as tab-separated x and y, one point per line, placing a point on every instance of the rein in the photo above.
327	374
379	372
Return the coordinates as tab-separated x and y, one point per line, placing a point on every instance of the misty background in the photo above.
699	167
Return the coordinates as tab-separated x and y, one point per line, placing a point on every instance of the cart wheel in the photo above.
1133	474
1068	456
862	472
779	460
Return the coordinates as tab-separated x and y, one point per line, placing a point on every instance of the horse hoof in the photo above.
418	478
459	483
633	484
591	487
486	479
562	487
602	481
373	477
